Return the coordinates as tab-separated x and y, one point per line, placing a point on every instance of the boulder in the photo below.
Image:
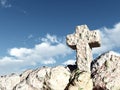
44	78
80	81
8	82
105	71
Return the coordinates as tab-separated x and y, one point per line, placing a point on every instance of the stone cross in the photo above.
83	41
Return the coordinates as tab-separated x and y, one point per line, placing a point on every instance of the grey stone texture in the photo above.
106	71
83	40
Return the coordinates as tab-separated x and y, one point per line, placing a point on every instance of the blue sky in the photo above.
32	32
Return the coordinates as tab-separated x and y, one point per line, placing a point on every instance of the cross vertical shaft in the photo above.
83	41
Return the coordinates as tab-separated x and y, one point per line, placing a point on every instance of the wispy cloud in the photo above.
110	39
43	53
30	36
5	4
50	38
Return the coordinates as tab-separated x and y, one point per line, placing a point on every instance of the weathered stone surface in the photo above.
83	41
23	86
83	33
36	78
106	72
58	78
80	81
24	75
9	81
33	79
45	78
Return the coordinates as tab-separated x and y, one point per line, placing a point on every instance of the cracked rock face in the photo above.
9	81
106	72
80	81
44	78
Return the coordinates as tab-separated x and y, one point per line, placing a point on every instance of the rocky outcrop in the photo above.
106	71
105	76
80	81
9	81
45	78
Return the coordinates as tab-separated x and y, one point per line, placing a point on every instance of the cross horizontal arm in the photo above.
71	41
94	39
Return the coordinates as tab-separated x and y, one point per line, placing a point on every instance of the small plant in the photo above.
66	74
80	88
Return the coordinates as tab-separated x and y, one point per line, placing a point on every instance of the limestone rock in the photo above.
24	75
36	78
80	81
23	86
45	78
58	78
105	72
9	81
33	79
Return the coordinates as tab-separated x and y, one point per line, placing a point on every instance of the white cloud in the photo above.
20	52
9	65
110	39
5	4
69	62
44	53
